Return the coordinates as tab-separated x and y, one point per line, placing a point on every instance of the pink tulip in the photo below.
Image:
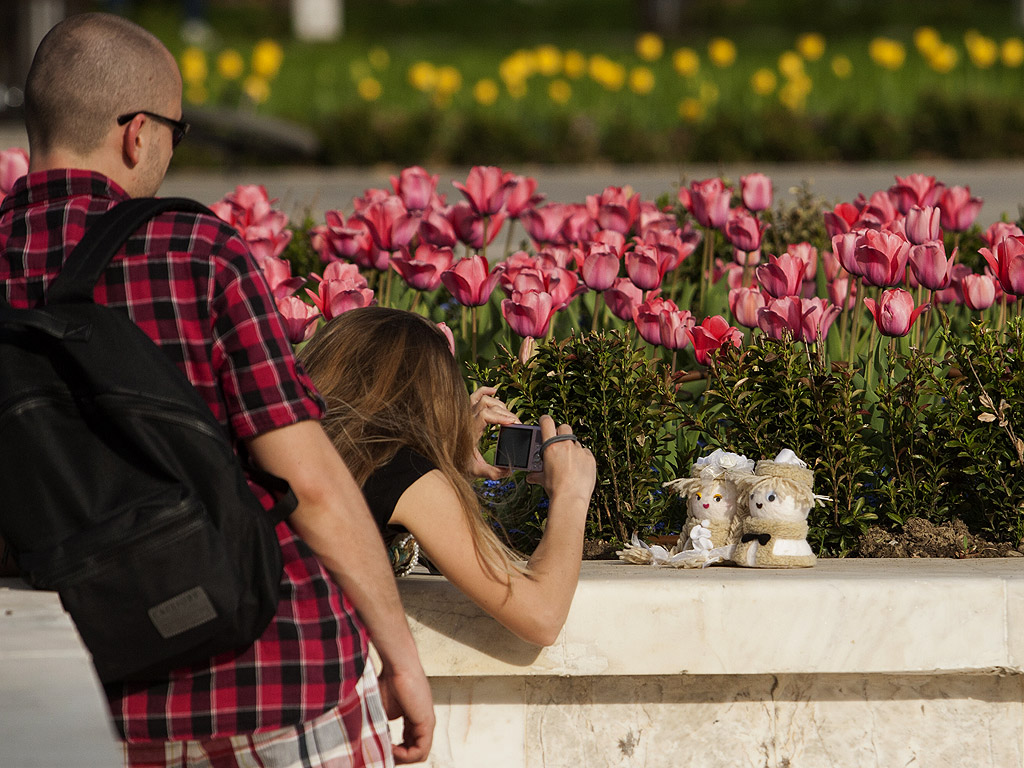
486	189
744	304
471	228
954	293
266	242
844	247
646	318
651	218
513	265
616	208
443	327
833	267
878	211
780	318
746	258
278	273
334	297
894	312
248	205
674	328
842	291
560	256
612	240
979	291
673	246
415	187
436	228
369	196
922	224
522	196
882	257
959	209
13	165
930	266
600	268
709	203
1007	264
347	239
562	284
579	226
544	225
841	219
816	318
299	318
998	232
808	254
646	266
390	224
469	281
916	190
782	275
711	335
743	230
528	314
756	191
422	270
623	297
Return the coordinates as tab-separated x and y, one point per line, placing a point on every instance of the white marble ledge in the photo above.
906	616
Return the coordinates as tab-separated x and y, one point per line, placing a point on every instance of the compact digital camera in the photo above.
519	447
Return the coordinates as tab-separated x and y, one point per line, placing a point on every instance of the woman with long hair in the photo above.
399	414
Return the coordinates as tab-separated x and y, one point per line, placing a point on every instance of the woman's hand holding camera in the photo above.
488	410
569	467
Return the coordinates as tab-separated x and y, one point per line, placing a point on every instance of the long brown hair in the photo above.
389	380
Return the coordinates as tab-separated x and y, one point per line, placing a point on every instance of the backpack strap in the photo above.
104	238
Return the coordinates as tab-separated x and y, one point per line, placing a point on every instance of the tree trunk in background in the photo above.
664	16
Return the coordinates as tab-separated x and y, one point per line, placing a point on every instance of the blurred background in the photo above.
360	82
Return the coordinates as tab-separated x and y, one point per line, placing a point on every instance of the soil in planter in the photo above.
921	538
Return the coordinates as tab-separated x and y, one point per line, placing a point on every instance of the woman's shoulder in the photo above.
385	486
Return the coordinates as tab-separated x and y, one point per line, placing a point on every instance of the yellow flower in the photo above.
559	91
1012	52
982	50
691	110
763	81
423	76
686	62
574	64
927	40
485	92
611	75
790	64
449	80
256	88
369	89
649	47
943	59
196	94
267	56
379	58
811	46
887	53
641	80
517	67
722	52
841	67
358	69
549	60
193	65
230	64
516	88
793	96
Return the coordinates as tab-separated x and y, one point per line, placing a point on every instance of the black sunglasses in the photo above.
179	128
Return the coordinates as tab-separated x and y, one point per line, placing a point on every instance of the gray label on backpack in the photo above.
182	613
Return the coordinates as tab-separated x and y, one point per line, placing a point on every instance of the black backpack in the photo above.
120	489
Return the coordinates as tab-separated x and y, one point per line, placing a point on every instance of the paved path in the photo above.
1000	183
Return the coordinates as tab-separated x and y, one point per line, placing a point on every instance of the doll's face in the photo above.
766	502
714	501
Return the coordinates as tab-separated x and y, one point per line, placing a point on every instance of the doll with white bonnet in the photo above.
779	497
713	503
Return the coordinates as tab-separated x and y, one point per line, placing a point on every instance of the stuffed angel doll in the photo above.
712	500
714	511
779	497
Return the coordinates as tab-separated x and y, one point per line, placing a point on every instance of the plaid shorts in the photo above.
352	735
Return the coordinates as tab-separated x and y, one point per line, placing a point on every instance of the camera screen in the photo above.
513	448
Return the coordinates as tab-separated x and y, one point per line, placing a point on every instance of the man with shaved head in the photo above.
103	114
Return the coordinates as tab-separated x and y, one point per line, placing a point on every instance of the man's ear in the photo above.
131	141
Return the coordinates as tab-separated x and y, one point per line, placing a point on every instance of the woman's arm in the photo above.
533	606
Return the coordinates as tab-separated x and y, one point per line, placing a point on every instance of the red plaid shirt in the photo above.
190	283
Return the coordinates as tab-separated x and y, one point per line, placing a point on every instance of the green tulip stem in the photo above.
473	311
483	247
597	310
508	237
705	269
858	310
